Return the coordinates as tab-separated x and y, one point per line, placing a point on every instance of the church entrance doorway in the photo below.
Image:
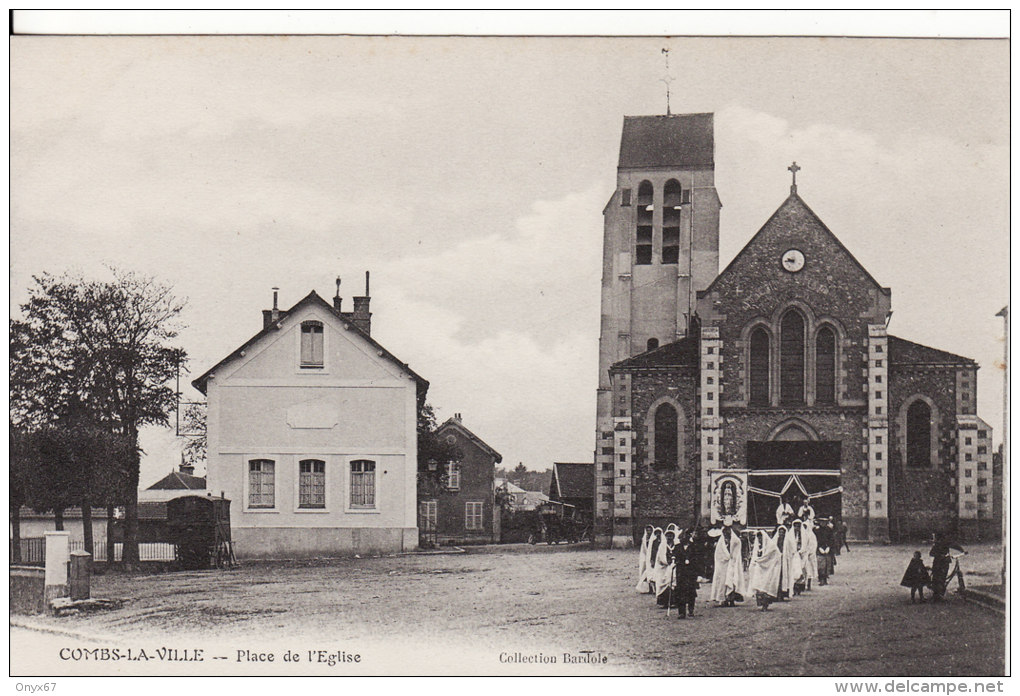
791	471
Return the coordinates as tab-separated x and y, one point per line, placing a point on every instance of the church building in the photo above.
774	381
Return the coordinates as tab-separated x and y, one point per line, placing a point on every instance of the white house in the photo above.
312	435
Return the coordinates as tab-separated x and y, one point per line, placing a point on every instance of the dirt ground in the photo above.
510	609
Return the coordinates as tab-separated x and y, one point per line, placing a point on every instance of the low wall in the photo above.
28	590
320	542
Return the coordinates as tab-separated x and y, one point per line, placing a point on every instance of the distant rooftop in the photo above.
680	140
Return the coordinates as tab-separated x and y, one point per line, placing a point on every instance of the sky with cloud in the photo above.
469	176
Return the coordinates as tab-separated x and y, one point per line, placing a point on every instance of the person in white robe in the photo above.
765	569
654	542
810	553
792	568
728	582
642	583
664	576
797	533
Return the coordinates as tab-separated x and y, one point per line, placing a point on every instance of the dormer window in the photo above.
311	344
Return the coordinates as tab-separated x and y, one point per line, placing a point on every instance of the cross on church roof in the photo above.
794	168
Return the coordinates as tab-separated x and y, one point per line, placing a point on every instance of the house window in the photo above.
878	363
983	434
362	484
968	457
759	395
625	198
966	441
312	484
428	514
643	256
919	434
982	449
825	366
665	436
878	455
473	516
311	344
652	344
453	476
261	483
791	358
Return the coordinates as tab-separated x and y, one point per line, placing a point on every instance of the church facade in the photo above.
775	381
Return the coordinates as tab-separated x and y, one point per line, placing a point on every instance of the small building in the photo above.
573	483
464	511
312	435
174	484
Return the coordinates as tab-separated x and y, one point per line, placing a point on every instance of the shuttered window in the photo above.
362	484
261	483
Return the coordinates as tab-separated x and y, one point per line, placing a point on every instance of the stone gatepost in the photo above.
57	546
80	580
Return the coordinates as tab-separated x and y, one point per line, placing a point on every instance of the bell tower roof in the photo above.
683	141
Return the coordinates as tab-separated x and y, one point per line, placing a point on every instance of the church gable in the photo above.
794	257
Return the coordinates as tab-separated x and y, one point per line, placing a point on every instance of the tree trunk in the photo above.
58	516
130	556
109	536
15	534
86	525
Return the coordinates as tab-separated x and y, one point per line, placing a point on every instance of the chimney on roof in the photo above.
456	417
187	469
271	316
361	317
337	300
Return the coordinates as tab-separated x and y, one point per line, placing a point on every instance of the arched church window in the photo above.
665	436
919	434
759	388
652	344
645	210
791	358
671	222
825	366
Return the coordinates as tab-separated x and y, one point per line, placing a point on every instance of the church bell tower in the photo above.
660	246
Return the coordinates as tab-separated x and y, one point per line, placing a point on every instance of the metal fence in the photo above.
33	551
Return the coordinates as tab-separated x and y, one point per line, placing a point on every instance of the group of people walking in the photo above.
781	564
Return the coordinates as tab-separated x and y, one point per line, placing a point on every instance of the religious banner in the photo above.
729	494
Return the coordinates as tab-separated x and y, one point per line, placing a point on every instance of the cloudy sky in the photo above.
469	176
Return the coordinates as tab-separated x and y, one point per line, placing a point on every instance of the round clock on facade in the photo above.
793	260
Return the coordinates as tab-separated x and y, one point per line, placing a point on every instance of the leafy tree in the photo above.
194	430
102	347
433	454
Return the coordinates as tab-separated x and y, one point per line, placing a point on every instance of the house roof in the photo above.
796	201
311	298
510	486
456	424
679	140
179	481
678	353
573	480
903	352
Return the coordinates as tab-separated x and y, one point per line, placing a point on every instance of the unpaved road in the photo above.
472	613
